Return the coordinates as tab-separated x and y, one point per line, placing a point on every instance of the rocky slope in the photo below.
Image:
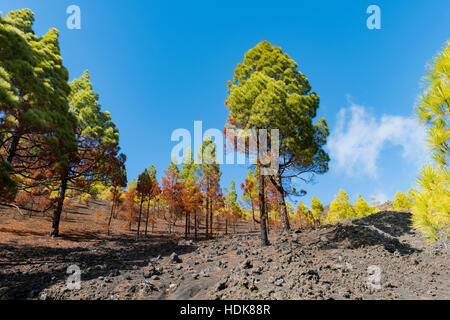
376	257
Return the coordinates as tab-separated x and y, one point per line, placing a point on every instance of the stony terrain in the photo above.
330	262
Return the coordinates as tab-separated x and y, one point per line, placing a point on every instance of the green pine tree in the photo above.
268	92
36	124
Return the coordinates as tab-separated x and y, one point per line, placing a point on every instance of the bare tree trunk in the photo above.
31	207
115	206
186	225
262	200
195	226
211	215
169	223
139	219
13	147
146	220
207	218
189	224
284	217
110	216
253	216
57	213
262	211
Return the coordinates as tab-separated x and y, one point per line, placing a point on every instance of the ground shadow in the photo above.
393	223
28	269
381	228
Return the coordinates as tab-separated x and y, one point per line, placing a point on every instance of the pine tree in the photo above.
411	196
192	196
250	193
401	201
362	208
290	210
130	204
98	145
172	193
210	181
434	106
431	207
118	181
316	209
147	188
268	92
36	126
231	210
303	215
340	208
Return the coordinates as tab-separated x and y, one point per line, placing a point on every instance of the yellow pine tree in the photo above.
340	208
362	208
316	209
411	195
302	214
431	207
401	201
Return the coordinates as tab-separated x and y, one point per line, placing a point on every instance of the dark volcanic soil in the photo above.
339	261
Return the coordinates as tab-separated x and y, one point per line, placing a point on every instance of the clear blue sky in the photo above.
160	65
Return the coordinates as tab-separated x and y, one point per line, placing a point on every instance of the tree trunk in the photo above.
186	225
262	210
169	223
189	224
207	218
284	217
261	198
253	216
195	226
139	219
110	216
57	213
211	215
13	148
114	212
148	215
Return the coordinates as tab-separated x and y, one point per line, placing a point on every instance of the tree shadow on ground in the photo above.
382	228
29	269
393	223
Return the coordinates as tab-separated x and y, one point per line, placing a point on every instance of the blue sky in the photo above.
161	65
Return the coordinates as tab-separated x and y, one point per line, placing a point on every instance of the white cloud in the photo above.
381	197
358	139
